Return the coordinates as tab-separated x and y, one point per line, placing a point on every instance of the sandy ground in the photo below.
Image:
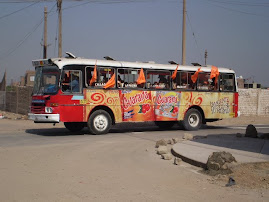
116	168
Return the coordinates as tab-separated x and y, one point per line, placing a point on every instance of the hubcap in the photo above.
193	120
100	122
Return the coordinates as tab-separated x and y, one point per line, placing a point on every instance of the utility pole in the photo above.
205	56
59	8
184	34
45	33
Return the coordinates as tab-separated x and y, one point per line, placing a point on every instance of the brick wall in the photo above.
254	102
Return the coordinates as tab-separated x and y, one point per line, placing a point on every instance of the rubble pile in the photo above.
220	163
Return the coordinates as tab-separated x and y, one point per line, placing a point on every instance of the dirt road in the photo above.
44	166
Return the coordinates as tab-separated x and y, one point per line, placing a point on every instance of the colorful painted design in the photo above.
137	105
167	105
214	105
110	98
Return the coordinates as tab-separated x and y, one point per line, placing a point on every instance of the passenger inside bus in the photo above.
120	82
74	84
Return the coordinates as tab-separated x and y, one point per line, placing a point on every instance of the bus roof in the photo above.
61	62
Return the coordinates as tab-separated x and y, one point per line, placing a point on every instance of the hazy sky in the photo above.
234	32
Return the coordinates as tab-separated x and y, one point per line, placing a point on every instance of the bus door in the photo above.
71	110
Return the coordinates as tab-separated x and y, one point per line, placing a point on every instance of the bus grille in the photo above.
38	108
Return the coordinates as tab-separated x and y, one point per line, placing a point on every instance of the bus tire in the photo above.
164	124
74	126
192	120
99	122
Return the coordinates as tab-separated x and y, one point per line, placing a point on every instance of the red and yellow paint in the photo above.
140	106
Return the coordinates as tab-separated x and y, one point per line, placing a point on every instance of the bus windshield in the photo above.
46	80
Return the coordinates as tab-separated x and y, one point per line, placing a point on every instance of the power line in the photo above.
241	3
194	37
234	10
25	38
18	10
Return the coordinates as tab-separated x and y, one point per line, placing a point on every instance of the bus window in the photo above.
158	80
89	74
183	81
128	78
227	82
205	83
71	81
103	76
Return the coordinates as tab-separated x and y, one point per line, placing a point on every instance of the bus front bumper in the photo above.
44	118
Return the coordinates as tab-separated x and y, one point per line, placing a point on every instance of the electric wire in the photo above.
4	16
25	37
201	57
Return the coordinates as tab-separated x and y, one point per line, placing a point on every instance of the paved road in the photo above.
22	132
40	162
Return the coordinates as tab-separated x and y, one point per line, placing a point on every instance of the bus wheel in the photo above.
192	120
165	124
74	126
99	122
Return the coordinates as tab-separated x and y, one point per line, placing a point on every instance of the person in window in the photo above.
120	82
74	84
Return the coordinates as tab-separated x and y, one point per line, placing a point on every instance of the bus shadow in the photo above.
232	141
54	132
119	128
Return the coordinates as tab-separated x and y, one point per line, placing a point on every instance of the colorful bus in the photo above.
100	93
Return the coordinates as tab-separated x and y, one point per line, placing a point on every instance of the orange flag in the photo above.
111	82
174	75
214	73
195	76
94	76
141	77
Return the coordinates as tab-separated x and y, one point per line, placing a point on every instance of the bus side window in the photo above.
72	81
183	81
158	80
89	74
65	81
203	83
227	82
122	79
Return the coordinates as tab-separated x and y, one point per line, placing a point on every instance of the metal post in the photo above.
184	34
45	34
59	6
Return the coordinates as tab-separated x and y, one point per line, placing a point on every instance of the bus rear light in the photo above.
54	104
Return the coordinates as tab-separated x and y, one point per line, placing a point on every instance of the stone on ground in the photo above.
161	142
251	131
220	163
167	156
177	161
162	150
188	136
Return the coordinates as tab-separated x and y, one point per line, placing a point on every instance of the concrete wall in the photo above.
254	102
2	100
18	101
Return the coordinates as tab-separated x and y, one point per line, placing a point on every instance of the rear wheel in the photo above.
192	120
74	126
165	124
99	122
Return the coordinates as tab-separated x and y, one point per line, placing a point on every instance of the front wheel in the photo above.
99	122
192	120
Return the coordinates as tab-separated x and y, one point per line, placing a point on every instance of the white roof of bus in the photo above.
61	62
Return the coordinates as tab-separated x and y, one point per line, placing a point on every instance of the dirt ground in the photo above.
251	176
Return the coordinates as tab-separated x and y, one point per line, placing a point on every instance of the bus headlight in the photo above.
48	109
